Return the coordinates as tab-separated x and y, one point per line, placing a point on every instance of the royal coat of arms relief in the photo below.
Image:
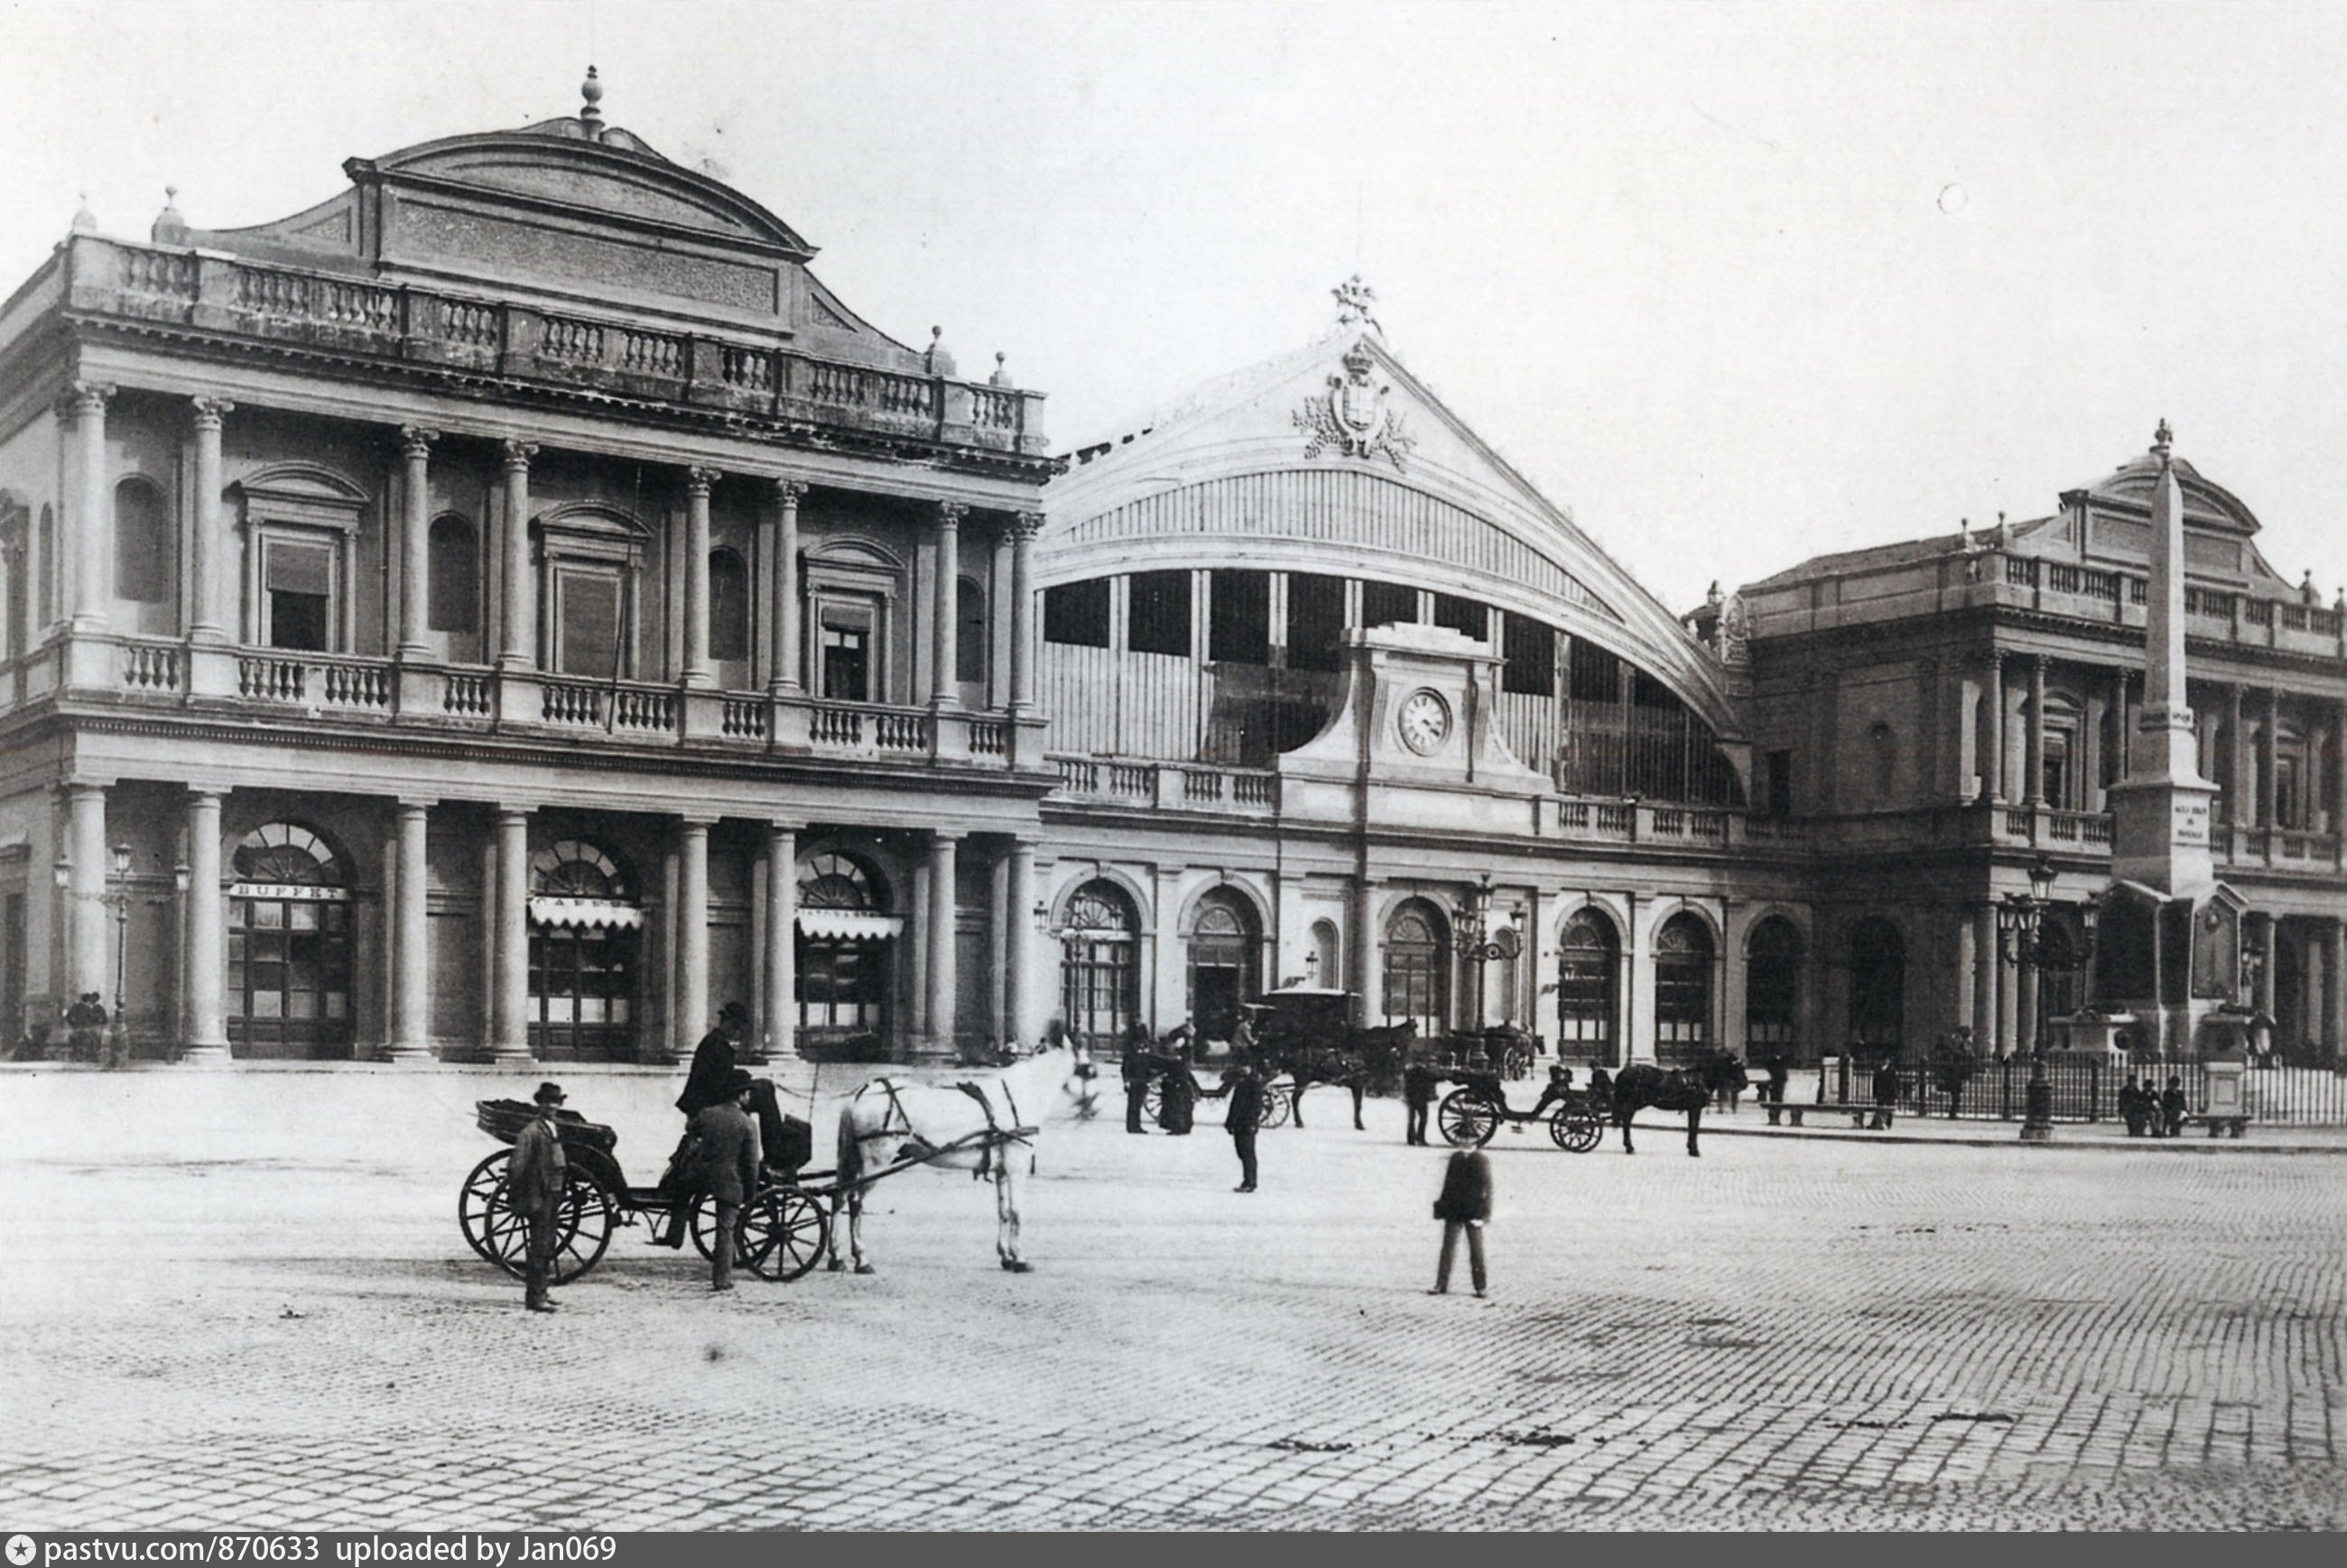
1355	416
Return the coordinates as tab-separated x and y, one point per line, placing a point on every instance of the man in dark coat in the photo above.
713	1061
86	1027
2133	1111
1418	1086
534	1181
1559	1090
1245	1112
1136	1081
2172	1107
1780	1072
1886	1095
727	1169
1465	1205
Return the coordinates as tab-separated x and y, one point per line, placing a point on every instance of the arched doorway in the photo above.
1417	968
1588	987
1684	964
290	950
1772	990
586	930
1225	963
846	946
1878	986
1100	969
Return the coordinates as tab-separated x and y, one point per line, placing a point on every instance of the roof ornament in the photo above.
591	113
2162	440
937	361
170	228
1001	376
1356	301
84	219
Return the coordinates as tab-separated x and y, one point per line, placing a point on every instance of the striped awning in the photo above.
850	925
586	914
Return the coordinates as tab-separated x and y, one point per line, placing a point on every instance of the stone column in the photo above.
510	1035
2268	963
1024	528
207	556
411	986
2237	763
90	526
697	482
1363	943
783	664
415	538
2024	1006
782	941
1992	743
2269	767
204	975
693	930
945	618
1020	984
1984	978
941	965
2335	993
87	915
2033	784
519	648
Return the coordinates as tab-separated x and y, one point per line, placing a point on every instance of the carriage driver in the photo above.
709	1083
1560	1088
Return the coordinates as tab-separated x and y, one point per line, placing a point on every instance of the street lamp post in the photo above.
1480	942
2024	941
118	899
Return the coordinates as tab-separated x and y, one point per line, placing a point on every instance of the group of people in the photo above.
1168	1064
2157	1115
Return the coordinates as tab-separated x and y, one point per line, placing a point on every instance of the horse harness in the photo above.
895	1124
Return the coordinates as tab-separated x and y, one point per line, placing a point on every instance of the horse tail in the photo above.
848	1162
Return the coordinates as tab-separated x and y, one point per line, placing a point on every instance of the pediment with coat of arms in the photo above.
1357	416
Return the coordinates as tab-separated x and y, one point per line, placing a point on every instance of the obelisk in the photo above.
2160	812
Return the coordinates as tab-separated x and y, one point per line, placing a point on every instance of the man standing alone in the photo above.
534	1181
729	1169
1465	1205
1245	1112
1136	1080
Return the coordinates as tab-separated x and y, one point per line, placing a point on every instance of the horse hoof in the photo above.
865	1268
836	1265
1013	1265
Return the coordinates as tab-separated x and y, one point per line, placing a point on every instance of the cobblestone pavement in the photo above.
241	1300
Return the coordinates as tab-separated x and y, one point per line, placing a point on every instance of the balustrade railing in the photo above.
744	719
466	694
988	737
150	667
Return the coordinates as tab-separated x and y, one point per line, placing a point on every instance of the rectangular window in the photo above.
1238	627
1463	616
1779	784
847	663
1596	675
1387	604
1531	652
587	627
1076	613
297	585
1316	621
1160	621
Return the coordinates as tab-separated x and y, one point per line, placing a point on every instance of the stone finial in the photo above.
1963	533
84	220
170	226
936	359
591	91
1355	301
1001	376
2162	440
2307	592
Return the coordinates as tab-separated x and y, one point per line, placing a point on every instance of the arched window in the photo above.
1417	968
289	945
574	869
846	948
1882	756
1588	985
1683	972
1772	989
1877	986
143	552
1225	962
1322	961
584	937
970	642
452	563
729	606
1099	972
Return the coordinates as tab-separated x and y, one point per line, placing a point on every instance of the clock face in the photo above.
1424	721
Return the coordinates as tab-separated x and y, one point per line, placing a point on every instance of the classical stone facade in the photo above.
513	608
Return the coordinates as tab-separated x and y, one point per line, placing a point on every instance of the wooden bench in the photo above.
1857	1115
2236	1125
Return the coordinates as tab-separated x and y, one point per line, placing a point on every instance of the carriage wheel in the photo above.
782	1233
704	1226
1467	1119
486	1182
1516	1062
1275	1109
582	1229
1575	1129
1152	1101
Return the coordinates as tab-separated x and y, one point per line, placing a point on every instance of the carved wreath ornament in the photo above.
1355	416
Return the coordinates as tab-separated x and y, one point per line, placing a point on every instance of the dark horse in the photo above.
1642	1085
1368	1056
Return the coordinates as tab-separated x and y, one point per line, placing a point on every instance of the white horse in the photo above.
987	1125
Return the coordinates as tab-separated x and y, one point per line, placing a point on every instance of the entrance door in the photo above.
1215	1001
582	993
289	975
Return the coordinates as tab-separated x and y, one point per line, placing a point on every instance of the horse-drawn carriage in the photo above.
1470	1113
783	1229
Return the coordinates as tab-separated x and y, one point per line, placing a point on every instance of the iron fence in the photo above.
2087	1089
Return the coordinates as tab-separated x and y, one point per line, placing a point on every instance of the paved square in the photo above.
241	1299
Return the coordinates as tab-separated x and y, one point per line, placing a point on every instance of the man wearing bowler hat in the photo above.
727	1168
534	1181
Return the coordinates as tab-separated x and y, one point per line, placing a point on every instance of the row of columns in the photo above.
90	528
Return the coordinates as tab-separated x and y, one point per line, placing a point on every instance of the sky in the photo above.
1734	284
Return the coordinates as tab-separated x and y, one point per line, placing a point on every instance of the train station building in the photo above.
513	607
